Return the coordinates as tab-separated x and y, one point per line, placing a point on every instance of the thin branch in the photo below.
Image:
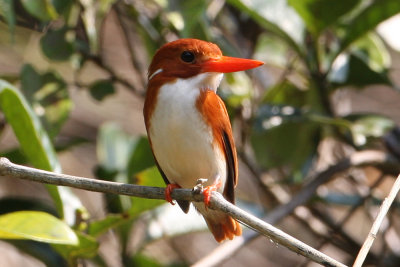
217	202
378	159
377	223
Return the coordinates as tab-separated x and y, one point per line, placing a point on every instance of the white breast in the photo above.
182	141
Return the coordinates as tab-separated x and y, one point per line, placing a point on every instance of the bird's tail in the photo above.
222	226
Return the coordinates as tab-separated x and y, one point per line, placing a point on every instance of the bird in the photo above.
188	125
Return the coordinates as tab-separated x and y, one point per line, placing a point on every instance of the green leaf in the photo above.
141	157
61	5
273	51
281	139
35	225
272	13
96	228
7	11
56	46
87	248
286	93
367	126
36	145
114	148
41	9
142	260
32	138
48	95
101	88
148	177
319	14
368	19
39	250
11	204
353	70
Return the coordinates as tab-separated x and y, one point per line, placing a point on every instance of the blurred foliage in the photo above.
318	46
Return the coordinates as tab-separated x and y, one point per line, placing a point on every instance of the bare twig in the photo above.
217	202
377	223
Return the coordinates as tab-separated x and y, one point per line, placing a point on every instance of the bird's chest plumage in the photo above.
181	139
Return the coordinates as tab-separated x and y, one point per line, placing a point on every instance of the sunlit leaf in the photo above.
41	9
34	141
35	225
142	260
36	145
366	126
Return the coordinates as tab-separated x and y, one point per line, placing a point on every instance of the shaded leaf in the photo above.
319	14
35	225
61	5
87	248
354	70
284	140
15	155
101	88
56	46
11	204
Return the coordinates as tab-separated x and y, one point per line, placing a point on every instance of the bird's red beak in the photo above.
230	64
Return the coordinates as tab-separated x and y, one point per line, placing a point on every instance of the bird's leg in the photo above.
207	191
168	191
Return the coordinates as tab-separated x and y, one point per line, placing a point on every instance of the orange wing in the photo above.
214	111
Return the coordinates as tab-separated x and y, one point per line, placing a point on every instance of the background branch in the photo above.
217	202
377	223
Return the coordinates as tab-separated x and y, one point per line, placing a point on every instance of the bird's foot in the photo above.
207	191
168	191
198	188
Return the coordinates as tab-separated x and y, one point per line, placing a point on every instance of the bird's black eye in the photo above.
187	56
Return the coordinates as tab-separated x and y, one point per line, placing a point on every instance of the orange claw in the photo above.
168	191
208	190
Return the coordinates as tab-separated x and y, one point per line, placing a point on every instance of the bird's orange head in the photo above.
185	58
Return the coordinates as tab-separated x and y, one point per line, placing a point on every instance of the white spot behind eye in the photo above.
155	73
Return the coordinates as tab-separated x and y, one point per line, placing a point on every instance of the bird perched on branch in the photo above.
188	125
